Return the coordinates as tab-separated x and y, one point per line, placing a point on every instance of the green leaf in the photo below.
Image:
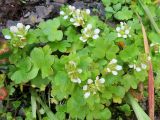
61	46
62	85
129	53
25	71
40	83
154	37
50	29
43	60
124	14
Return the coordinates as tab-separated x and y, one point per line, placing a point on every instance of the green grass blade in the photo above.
140	114
148	13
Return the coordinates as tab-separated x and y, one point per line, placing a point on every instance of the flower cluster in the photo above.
156	47
138	68
113	67
123	30
93	86
18	33
73	72
89	32
75	16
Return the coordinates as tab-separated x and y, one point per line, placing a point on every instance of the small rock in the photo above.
43	11
11	23
10	1
61	1
1	2
79	4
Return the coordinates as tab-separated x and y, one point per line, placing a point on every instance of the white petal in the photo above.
87	94
114	72
72	20
20	25
119	35
89	26
138	69
97	78
62	13
71	7
79	70
127	32
7	37
82	39
102	80
88	11
124	36
118	29
72	63
90	81
131	66
108	70
122	27
95	36
152	44
118	67
121	23
96	31
76	24
113	61
78	80
14	29
144	66
65	17
27	27
85	87
78	11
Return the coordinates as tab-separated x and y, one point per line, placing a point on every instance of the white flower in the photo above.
131	66
108	70
89	26
144	66
90	81
121	23
114	72
127	31
119	35
118	29
72	8
62	13
149	58
118	67
77	80
95	36
123	30
72	63
76	24
138	69
72	20
87	94
14	29
102	80
65	17
79	70
88	11
85	87
124	36
97	31
27	27
7	37
82	39
113	61
20	25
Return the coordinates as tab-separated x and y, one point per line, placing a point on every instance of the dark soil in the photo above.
34	11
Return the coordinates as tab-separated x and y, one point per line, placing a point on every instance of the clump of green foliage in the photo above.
88	64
